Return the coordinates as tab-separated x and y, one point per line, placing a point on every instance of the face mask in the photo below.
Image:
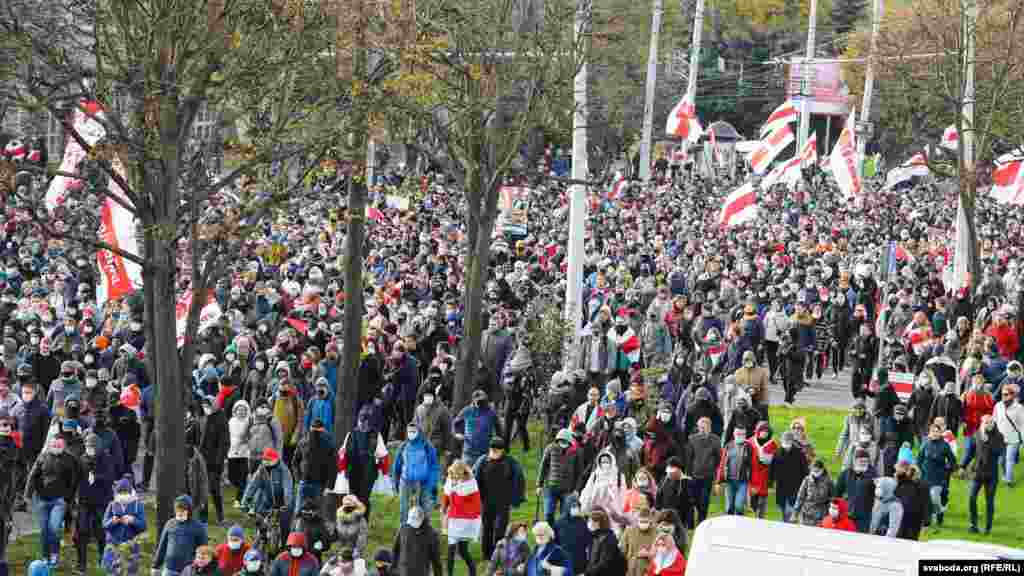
235	544
201	563
207	410
520	537
90	451
252	566
428	399
643	482
833	511
817	472
260	366
748	363
865	438
644	526
666	529
412	434
739	438
123	498
593	526
181	517
664	417
415	520
606	466
34	341
296	552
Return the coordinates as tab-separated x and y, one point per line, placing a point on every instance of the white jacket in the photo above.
774	324
238	431
1010	421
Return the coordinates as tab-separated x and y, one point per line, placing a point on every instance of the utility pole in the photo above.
869	86
967	132
805	104
578	192
652	81
698	27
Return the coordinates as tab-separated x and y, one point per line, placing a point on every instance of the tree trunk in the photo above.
348	377
968	194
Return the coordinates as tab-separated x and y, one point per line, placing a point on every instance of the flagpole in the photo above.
869	87
578	192
805	105
652	81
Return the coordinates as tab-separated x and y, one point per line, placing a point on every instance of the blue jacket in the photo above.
416	462
553	554
121	533
572	534
178	543
936	459
478	426
322	409
408	379
859	491
269	488
330	371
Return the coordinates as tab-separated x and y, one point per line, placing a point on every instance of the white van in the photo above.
739	545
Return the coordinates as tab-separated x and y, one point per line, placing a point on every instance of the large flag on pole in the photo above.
1008	178
843	160
682	121
739	207
761	158
786	112
119	276
83	123
786	173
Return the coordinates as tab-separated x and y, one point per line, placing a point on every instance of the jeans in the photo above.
788	508
990	501
554	497
307	490
50	515
736	497
1009	460
422	494
968	450
700	495
935	493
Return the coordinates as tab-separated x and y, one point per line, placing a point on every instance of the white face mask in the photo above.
260	366
123	498
415	519
235	544
182	517
593	526
207	410
253	566
833	511
90	451
606	466
296	552
428	399
412	434
664	417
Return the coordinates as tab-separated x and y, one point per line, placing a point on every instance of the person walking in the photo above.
417	551
814	495
502	487
50	486
989	445
937	463
475	425
734	471
548	558
415	473
123	521
857	483
703	456
180	538
788	470
605	558
1009	415
95	492
296	560
637	543
460	505
560	473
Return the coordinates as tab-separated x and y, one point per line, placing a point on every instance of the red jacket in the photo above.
1006	339
230	561
759	470
976	405
677	568
841	523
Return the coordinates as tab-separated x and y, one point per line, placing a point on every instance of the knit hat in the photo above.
236	532
270	454
906	455
183	501
498	443
383	556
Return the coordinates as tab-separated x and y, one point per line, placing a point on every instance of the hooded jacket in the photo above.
238	431
572	534
265	433
351	530
842	522
605	488
977	403
119	533
812	499
888	509
416	462
936	461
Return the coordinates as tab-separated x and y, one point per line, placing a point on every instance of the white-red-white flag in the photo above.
83	123
618	186
809	154
786	113
1008	178
786	173
917	165
761	158
740	206
950	138
843	160
683	123
119	276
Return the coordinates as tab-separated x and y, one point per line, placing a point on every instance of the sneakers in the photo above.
973	529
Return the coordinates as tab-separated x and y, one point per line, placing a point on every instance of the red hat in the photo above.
297	539
271	454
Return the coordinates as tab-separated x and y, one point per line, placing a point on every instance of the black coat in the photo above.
35	425
316	459
949	407
605	558
213	442
921	400
916	507
787	472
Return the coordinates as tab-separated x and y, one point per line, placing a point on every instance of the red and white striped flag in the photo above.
682	121
739	207
618	186
843	160
761	158
119	276
950	138
1008	178
786	173
810	152
786	112
84	123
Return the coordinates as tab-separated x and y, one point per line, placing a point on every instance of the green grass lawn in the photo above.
823	426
